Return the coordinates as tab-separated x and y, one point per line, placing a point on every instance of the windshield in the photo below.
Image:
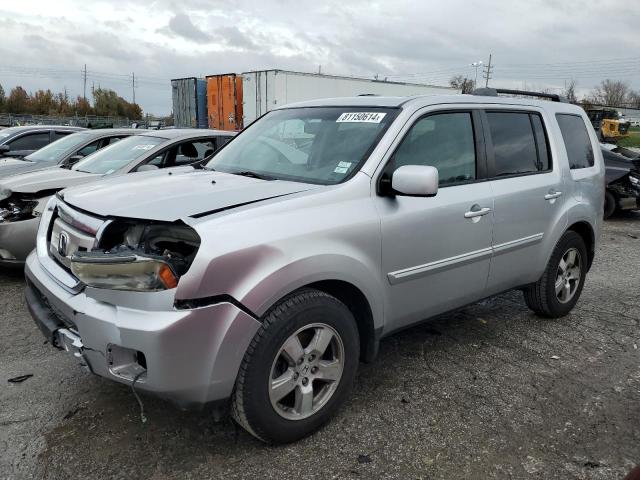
55	151
314	145
118	155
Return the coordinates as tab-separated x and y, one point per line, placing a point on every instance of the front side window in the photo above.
56	151
444	141
576	141
30	141
321	145
116	156
89	149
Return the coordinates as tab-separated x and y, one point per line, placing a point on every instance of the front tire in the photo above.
560	286
298	369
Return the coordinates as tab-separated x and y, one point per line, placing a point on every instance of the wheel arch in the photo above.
358	304
586	231
347	279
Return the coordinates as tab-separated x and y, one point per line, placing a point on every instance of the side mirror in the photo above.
415	181
4	149
146	168
74	159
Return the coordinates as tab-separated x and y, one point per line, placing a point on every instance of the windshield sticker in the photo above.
340	170
143	147
344	164
361	117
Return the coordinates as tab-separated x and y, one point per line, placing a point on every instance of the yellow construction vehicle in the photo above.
609	124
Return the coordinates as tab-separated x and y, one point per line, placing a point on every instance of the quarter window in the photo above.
514	144
444	141
576	141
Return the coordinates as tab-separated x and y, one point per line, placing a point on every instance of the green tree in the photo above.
3	99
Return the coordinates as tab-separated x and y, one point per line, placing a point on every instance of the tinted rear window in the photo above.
514	144
576	140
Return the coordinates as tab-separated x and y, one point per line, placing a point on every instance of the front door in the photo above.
436	251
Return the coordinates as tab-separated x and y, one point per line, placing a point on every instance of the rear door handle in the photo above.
552	194
477	212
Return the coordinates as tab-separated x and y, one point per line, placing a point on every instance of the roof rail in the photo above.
493	92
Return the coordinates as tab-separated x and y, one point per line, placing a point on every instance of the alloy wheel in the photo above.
568	275
306	371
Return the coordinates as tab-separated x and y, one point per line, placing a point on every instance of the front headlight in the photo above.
634	180
123	272
138	256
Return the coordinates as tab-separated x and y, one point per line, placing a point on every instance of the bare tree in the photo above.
634	99
570	91
610	92
463	83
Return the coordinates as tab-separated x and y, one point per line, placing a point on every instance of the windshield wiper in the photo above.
249	173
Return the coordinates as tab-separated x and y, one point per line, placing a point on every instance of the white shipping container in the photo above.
265	90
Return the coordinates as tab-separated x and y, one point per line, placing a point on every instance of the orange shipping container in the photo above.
224	101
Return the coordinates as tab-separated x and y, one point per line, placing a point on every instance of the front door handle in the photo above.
552	194
476	211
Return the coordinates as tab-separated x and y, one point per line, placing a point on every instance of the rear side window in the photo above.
576	141
59	134
516	150
544	159
444	141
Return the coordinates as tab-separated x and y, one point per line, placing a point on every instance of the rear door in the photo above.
528	193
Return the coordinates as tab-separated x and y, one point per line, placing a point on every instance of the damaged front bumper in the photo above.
189	356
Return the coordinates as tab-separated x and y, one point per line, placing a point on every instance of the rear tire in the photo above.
308	345
560	286
609	204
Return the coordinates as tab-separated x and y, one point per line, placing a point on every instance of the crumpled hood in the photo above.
54	178
13	166
172	194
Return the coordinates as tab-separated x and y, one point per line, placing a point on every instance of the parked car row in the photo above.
258	275
23	197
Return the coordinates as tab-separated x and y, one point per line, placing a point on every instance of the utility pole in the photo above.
488	70
133	85
84	88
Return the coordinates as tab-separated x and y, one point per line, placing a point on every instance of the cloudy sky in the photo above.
537	43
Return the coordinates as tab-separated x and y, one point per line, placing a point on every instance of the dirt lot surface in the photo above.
488	392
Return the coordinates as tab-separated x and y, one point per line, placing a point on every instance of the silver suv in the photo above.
266	277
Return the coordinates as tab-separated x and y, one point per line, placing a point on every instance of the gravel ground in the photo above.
488	392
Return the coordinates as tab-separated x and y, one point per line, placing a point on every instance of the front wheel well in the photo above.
359	306
586	232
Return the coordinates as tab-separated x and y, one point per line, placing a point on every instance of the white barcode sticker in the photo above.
361	117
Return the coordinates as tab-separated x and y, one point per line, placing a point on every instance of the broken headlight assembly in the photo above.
138	257
17	207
